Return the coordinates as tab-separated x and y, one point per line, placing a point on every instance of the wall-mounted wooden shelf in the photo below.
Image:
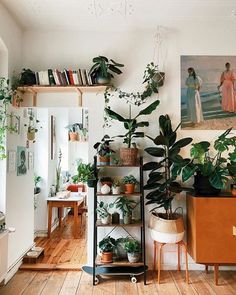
80	90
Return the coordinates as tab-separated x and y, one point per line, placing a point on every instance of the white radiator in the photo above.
3	254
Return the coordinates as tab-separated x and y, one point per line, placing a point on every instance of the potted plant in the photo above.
116	187
37	180
165	227
6	95
120	251
232	171
85	174
73	130
103	213
103	69
104	151
133	250
126	206
32	127
209	166
129	182
107	245
128	155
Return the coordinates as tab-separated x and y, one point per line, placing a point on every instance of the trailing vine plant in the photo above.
6	94
153	80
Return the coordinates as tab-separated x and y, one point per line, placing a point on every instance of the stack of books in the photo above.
64	78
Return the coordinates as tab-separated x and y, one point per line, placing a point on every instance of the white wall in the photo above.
19	199
134	49
11	35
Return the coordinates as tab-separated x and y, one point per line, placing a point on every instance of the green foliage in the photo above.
84	173
37	180
104	68
103	147
116	183
107	244
162	182
102	210
33	123
6	94
216	163
129	179
132	246
124	204
131	124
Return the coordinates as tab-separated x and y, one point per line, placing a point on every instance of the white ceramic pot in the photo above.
133	257
105	189
106	220
116	190
166	230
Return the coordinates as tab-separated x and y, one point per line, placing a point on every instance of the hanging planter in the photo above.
31	135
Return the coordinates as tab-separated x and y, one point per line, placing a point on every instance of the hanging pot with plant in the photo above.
165	227
129	154
32	127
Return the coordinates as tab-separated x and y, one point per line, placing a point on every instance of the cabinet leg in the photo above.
159	263
206	269
216	273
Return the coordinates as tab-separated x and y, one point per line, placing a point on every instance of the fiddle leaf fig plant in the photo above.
131	124
162	179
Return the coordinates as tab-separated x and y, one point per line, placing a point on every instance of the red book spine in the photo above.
72	82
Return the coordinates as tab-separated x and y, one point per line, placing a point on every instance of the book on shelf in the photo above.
66	77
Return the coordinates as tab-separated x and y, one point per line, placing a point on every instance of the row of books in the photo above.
63	78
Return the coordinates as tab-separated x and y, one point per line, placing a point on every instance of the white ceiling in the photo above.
112	14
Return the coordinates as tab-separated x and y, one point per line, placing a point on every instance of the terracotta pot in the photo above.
233	189
73	136
107	257
128	156
165	230
31	135
129	188
104	161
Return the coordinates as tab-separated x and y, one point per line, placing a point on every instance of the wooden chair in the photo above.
157	252
83	209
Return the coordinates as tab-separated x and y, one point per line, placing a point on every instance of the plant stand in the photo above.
121	267
157	252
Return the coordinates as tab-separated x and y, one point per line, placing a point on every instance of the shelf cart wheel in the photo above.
134	280
97	280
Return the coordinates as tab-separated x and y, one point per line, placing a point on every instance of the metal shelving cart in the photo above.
119	267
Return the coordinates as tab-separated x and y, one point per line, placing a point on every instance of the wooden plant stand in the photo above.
157	258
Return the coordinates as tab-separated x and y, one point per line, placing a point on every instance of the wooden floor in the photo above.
77	282
62	251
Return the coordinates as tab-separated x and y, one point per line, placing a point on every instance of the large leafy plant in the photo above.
107	244
105	67
6	117
216	163
84	172
131	124
162	181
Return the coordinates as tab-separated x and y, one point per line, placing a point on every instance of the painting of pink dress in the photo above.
208	92
228	93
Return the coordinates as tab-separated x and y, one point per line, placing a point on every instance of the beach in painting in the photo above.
209	68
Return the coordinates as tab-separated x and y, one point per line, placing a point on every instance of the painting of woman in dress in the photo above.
194	105
227	81
208	100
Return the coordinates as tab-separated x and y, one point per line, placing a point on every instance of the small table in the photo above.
74	201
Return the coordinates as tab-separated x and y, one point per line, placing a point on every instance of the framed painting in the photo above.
208	92
21	161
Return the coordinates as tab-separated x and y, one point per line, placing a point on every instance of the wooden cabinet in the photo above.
211	229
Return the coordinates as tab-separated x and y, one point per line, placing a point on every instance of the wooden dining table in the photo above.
75	200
